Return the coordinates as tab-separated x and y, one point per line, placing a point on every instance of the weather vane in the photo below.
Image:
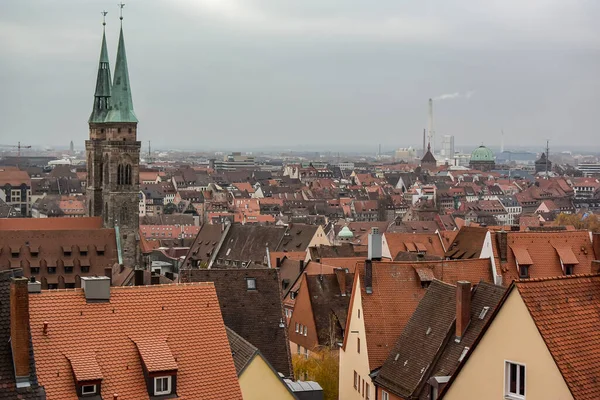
104	17
121	5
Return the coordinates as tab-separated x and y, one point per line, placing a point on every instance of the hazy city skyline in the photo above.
250	73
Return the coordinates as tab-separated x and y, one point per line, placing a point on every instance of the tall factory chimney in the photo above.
431	133
424	143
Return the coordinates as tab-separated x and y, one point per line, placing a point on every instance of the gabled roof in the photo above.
397	290
253	314
565	311
8	390
204	245
250	242
428	243
468	243
109	332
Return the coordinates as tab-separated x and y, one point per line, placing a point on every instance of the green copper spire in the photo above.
121	103
103	86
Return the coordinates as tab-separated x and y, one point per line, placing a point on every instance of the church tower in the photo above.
113	154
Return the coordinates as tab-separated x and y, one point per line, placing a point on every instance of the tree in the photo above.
169	208
323	367
586	221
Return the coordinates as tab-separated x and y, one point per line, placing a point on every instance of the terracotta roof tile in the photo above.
84	365
28	224
429	243
566	310
183	314
156	354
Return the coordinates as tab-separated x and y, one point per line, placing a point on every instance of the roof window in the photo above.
251	283
483	312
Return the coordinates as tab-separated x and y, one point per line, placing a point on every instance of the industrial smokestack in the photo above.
424	143
431	132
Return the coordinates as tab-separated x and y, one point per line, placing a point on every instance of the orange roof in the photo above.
544	251
343	262
397	291
429	243
84	365
52	224
137	317
292	255
14	177
565	311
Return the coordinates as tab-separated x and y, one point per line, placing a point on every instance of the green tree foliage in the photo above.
322	367
588	221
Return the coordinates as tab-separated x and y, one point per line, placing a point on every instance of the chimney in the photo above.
340	274
108	274
596	245
138	277
154	279
19	329
463	308
96	288
374	248
502	240
34	286
369	276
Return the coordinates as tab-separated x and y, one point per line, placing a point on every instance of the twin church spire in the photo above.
112	99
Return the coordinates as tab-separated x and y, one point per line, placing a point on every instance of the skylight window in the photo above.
483	312
463	354
251	283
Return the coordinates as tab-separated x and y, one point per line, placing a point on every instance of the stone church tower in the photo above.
113	155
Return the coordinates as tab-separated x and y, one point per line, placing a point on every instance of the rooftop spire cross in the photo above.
104	17
121	5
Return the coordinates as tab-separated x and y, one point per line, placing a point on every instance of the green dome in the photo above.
346	233
482	153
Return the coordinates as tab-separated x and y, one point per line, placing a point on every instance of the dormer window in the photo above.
569	269
523	271
162	385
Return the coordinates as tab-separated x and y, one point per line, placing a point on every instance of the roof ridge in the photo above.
555	278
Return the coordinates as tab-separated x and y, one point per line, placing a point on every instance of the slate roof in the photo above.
204	245
249	242
174	315
297	237
8	390
329	305
242	350
565	311
253	314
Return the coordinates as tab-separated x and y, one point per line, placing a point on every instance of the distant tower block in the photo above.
71	148
113	153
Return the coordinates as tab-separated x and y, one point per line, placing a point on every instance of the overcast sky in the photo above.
237	74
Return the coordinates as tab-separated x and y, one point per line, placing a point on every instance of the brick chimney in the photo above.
463	308
369	276
154	279
19	329
502	240
340	274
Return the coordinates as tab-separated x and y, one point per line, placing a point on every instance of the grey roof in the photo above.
249	242
242	350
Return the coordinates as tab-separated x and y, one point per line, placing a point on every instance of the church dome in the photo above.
345	233
482	153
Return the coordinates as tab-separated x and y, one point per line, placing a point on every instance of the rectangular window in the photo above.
51	270
299	348
363	388
569	269
385	395
85	268
358	345
88	389
359	313
297	326
523	271
355	380
68	270
251	283
35	270
514	375
162	385
305	330
367	390
306	352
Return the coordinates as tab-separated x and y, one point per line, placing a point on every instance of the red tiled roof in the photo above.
156	354
14	177
84	365
412	242
187	317
53	224
566	310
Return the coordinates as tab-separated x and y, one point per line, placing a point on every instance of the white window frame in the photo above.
251	283
507	393
297	327
84	392
162	392
305	330
385	395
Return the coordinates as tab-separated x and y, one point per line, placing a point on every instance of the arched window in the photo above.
128	174
101	173
120	174
106	175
